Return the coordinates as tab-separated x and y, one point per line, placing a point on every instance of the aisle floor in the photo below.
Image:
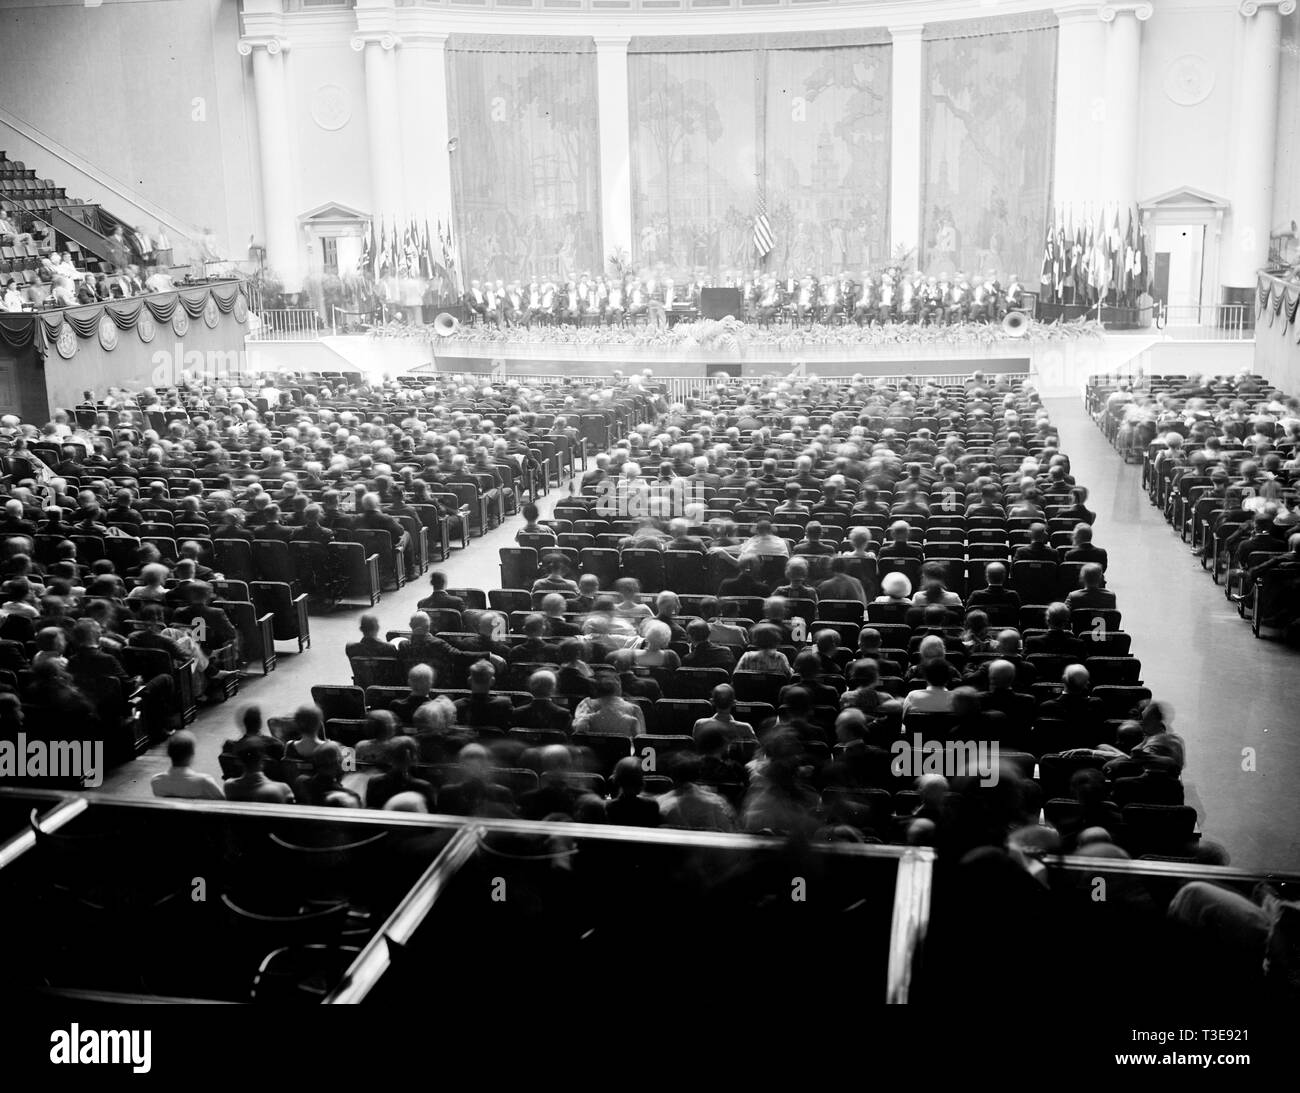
1228	689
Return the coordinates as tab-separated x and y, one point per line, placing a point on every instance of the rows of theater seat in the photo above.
671	703
132	528
1218	458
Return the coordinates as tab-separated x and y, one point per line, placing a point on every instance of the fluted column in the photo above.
1254	140
1080	106
615	145
422	80
280	230
387	189
1120	101
905	139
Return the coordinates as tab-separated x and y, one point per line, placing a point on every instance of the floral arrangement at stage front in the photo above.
734	339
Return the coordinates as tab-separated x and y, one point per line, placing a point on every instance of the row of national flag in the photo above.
396	249
1096	256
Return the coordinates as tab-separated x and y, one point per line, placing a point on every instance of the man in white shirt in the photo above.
764	542
180	780
936	698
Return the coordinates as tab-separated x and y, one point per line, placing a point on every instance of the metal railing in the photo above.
1219	322
356	321
287	324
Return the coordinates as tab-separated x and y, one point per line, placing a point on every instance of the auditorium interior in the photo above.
642	478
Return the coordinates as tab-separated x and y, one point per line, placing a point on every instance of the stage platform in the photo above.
1058	366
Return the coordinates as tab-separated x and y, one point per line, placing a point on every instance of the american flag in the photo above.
762	229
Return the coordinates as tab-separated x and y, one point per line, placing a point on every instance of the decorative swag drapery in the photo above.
20	329
1278	298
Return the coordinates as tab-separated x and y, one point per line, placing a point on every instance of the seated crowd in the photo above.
882	569
1220	460
152	544
41	268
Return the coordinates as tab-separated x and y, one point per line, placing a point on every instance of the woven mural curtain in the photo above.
826	160
988	133
802	120
526	169
693	140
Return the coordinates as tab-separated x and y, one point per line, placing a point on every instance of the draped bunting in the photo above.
988	135
19	329
83	320
126	315
194	301
162	307
1277	297
226	295
526	172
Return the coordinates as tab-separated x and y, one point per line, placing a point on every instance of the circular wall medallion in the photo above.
107	332
1189	79
331	107
241	308
146	327
211	316
180	322
66	342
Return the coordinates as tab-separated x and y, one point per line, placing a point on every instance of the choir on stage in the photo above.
889	296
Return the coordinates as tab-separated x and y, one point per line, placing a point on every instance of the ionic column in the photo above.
1080	107
1119	105
422	80
275	147
905	137
387	191
1254	141
615	145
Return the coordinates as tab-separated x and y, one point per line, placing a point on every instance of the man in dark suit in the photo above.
705	653
312	530
86	660
543	712
420	681
1038	549
271	528
1083	549
401	753
473	794
534	648
482	709
1263	537
898	545
1091	595
995	593
1002	697
370	644
1081	712
233	527
1059	639
555	794
439	599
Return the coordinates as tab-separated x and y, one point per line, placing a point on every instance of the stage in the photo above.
1058	365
